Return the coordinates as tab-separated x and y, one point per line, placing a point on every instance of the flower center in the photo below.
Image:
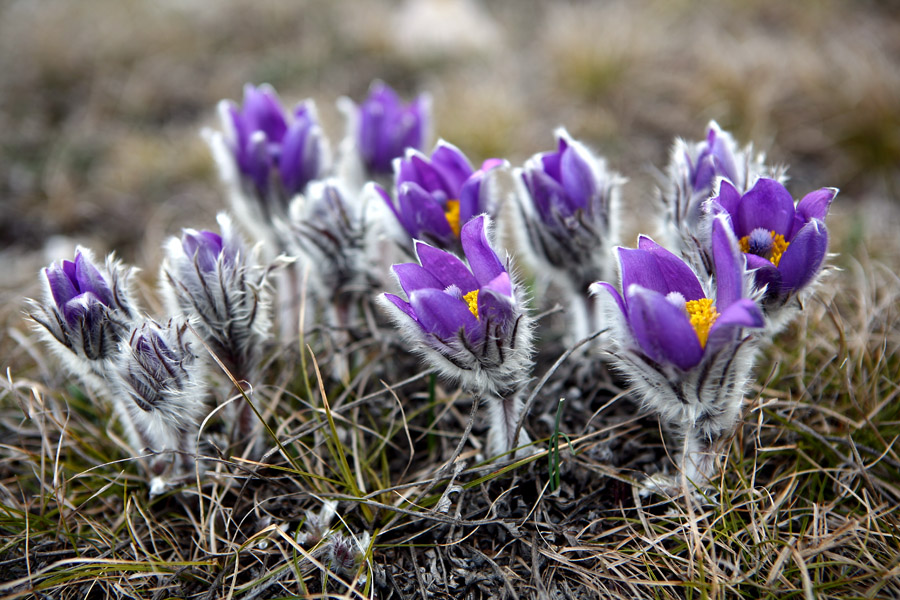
451	211
472	300
767	244
703	315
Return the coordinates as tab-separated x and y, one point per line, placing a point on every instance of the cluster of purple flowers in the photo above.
681	324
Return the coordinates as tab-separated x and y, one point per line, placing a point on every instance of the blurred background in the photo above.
102	102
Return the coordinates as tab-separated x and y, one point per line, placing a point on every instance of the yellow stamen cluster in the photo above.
703	315
451	211
472	300
779	245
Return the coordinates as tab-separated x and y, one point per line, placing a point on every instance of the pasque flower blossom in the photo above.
267	156
383	126
785	245
436	196
683	346
569	204
216	281
470	323
87	311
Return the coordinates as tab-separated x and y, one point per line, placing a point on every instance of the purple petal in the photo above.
804	256
258	161
84	310
444	315
89	279
470	198
294	161
262	112
705	173
723	158
815	204
765	274
743	313
577	178
602	286
421	214
62	287
202	246
241	135
655	268
446	268
548	195
402	305
729	264
767	205
551	162
500	285
483	261
427	176
729	199
663	330
495	302
413	277
453	166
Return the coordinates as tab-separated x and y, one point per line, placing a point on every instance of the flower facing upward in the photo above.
387	127
569	204
468	321
671	318
436	196
682	346
783	243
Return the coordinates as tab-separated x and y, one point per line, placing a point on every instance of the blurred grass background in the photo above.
101	102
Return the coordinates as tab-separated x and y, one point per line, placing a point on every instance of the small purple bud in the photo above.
202	246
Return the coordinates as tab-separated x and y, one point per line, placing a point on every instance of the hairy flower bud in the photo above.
164	380
86	311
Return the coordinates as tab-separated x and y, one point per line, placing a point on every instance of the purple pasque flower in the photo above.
213	279
86	311
469	321
436	196
784	244
267	141
386	127
163	381
681	344
266	155
570	215
569	204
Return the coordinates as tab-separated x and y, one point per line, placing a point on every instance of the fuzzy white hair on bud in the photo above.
164	384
